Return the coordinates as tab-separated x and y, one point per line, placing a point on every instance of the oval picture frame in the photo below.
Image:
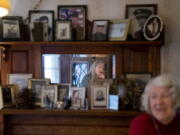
153	27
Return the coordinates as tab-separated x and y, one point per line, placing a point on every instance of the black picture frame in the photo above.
43	16
78	15
63	30
11	28
138	13
100	30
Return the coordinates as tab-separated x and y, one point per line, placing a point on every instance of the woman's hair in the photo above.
162	81
92	70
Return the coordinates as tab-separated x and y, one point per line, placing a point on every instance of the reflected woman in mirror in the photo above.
160	101
96	72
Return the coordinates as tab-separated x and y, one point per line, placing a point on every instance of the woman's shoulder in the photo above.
141	119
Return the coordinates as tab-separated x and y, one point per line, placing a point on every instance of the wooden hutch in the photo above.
25	57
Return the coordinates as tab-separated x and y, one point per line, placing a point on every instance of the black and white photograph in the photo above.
63	92
41	25
35	85
100	30
138	15
77	14
63	31
153	27
99	96
11	28
49	96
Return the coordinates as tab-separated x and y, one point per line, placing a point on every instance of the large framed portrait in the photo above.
153	27
63	31
11	28
77	14
77	95
100	30
99	96
41	22
118	30
138	15
49	96
36	86
21	80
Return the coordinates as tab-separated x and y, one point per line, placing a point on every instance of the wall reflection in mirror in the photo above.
71	68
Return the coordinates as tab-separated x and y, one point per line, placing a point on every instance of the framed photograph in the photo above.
11	28
49	96
153	27
118	30
77	95
138	15
99	96
62	92
46	29
144	77
36	86
114	102
100	30
63	30
21	80
77	14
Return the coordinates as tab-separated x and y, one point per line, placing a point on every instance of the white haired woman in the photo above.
160	101
96	72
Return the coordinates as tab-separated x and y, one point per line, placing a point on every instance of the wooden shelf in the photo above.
83	43
68	112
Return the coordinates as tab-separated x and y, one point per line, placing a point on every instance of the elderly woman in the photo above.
96	72
160	101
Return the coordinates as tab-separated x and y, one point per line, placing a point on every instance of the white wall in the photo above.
115	9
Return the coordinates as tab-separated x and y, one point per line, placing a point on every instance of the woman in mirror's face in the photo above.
99	70
162	104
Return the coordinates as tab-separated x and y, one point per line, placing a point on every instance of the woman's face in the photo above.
100	70
162	104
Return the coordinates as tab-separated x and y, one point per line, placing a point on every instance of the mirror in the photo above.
71	68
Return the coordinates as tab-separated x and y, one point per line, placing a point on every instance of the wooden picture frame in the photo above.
100	30
63	92
63	31
118	30
77	95
153	27
78	15
35	85
11	28
99	96
49	96
144	77
46	18
19	79
138	13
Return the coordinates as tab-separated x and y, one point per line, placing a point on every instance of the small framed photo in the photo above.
153	27
144	77
99	96
118	30
11	28
46	19
100	30
138	15
49	96
63	30
36	86
77	14
63	92
77	95
21	80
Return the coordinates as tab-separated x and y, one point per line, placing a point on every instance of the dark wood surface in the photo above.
65	122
